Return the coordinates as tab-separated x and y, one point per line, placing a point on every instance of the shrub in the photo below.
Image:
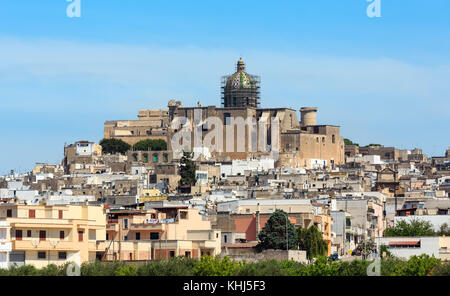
98	268
152	145
25	270
265	268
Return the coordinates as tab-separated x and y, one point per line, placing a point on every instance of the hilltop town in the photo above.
206	180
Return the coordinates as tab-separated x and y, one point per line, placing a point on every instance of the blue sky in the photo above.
383	80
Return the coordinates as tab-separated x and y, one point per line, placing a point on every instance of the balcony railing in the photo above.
154	227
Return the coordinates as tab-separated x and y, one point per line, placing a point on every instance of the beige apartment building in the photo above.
159	233
42	235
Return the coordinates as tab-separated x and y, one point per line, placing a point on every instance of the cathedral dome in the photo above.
240	79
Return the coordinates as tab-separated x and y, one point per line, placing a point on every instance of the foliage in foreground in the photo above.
151	145
213	266
278	233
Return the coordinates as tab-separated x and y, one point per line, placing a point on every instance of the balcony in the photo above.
148	227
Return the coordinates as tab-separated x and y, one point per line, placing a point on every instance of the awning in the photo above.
408	243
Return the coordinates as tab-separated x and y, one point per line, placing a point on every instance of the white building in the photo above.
435	220
406	247
239	167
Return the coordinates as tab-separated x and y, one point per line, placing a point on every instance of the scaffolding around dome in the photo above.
240	89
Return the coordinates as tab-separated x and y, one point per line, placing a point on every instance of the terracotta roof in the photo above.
240	245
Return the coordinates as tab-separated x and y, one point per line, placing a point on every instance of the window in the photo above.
125	223
60	214
107	236
166	158
138	235
188	254
8	213
61	234
18	234
28	233
145	157
125	238
92	234
155	157
172	254
41	255
225	238
80	235
62	255
333	139
31	213
154	235
42	235
183	215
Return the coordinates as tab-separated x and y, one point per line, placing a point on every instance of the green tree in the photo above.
214	266
416	227
187	170
311	240
152	145
278	233
113	146
384	251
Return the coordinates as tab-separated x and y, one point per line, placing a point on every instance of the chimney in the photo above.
257	220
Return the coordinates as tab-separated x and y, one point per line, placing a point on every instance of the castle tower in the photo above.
240	89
